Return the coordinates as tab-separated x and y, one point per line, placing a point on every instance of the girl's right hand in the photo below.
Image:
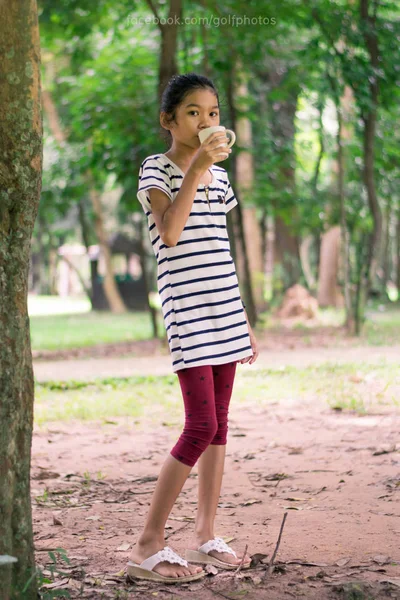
213	149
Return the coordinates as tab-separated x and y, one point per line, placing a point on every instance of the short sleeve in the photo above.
230	198
152	175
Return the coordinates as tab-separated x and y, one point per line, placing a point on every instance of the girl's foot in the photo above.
224	556
143	550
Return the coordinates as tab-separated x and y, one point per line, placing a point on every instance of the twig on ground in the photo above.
270	569
168	535
241	562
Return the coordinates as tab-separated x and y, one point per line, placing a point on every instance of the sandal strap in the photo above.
217	544
166	554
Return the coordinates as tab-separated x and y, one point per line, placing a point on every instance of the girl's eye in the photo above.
192	112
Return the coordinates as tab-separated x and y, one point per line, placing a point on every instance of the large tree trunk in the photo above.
20	183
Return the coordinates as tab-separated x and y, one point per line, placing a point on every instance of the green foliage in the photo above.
101	68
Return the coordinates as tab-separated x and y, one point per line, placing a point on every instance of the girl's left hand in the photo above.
254	347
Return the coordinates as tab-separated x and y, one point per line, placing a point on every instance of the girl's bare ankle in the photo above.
150	539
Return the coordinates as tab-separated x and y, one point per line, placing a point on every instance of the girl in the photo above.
186	199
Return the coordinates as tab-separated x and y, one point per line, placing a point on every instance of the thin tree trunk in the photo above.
71	265
398	253
86	241
328	292
111	291
169	42
287	243
345	245
146	278
385	246
237	219
20	182
244	169
110	287
368	23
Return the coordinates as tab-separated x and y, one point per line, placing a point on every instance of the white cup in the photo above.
205	133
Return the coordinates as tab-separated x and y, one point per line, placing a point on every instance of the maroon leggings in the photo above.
206	394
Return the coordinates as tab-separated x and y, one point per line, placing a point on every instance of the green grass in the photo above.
383	326
56	325
58	332
350	387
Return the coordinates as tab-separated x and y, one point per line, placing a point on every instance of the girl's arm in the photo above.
254	345
171	217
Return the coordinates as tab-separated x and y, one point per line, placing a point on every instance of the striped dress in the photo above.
197	282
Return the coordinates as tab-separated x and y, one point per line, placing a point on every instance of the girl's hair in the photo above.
178	87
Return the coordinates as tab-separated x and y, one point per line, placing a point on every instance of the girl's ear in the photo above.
164	121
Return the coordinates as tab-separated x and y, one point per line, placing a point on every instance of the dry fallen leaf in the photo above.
299	561
57	584
250	501
123	547
120	573
258	558
393	581
342	561
296	499
381	559
56	520
211	569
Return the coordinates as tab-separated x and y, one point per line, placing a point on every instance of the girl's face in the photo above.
198	110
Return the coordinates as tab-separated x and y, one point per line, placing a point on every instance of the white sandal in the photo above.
145	569
201	555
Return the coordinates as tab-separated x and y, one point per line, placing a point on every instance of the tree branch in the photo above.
155	13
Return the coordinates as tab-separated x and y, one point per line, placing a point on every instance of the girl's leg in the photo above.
200	428
211	462
169	484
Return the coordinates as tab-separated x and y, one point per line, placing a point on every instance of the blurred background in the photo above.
311	89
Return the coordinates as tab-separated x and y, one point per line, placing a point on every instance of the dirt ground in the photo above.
336	475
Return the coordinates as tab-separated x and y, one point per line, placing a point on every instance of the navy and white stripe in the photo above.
197	281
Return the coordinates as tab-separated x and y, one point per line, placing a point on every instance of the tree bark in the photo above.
328	290
283	112
146	278
345	242
398	254
117	305
86	242
20	184
368	23
237	219
244	169
169	42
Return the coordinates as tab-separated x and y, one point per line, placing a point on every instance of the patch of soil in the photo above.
337	475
